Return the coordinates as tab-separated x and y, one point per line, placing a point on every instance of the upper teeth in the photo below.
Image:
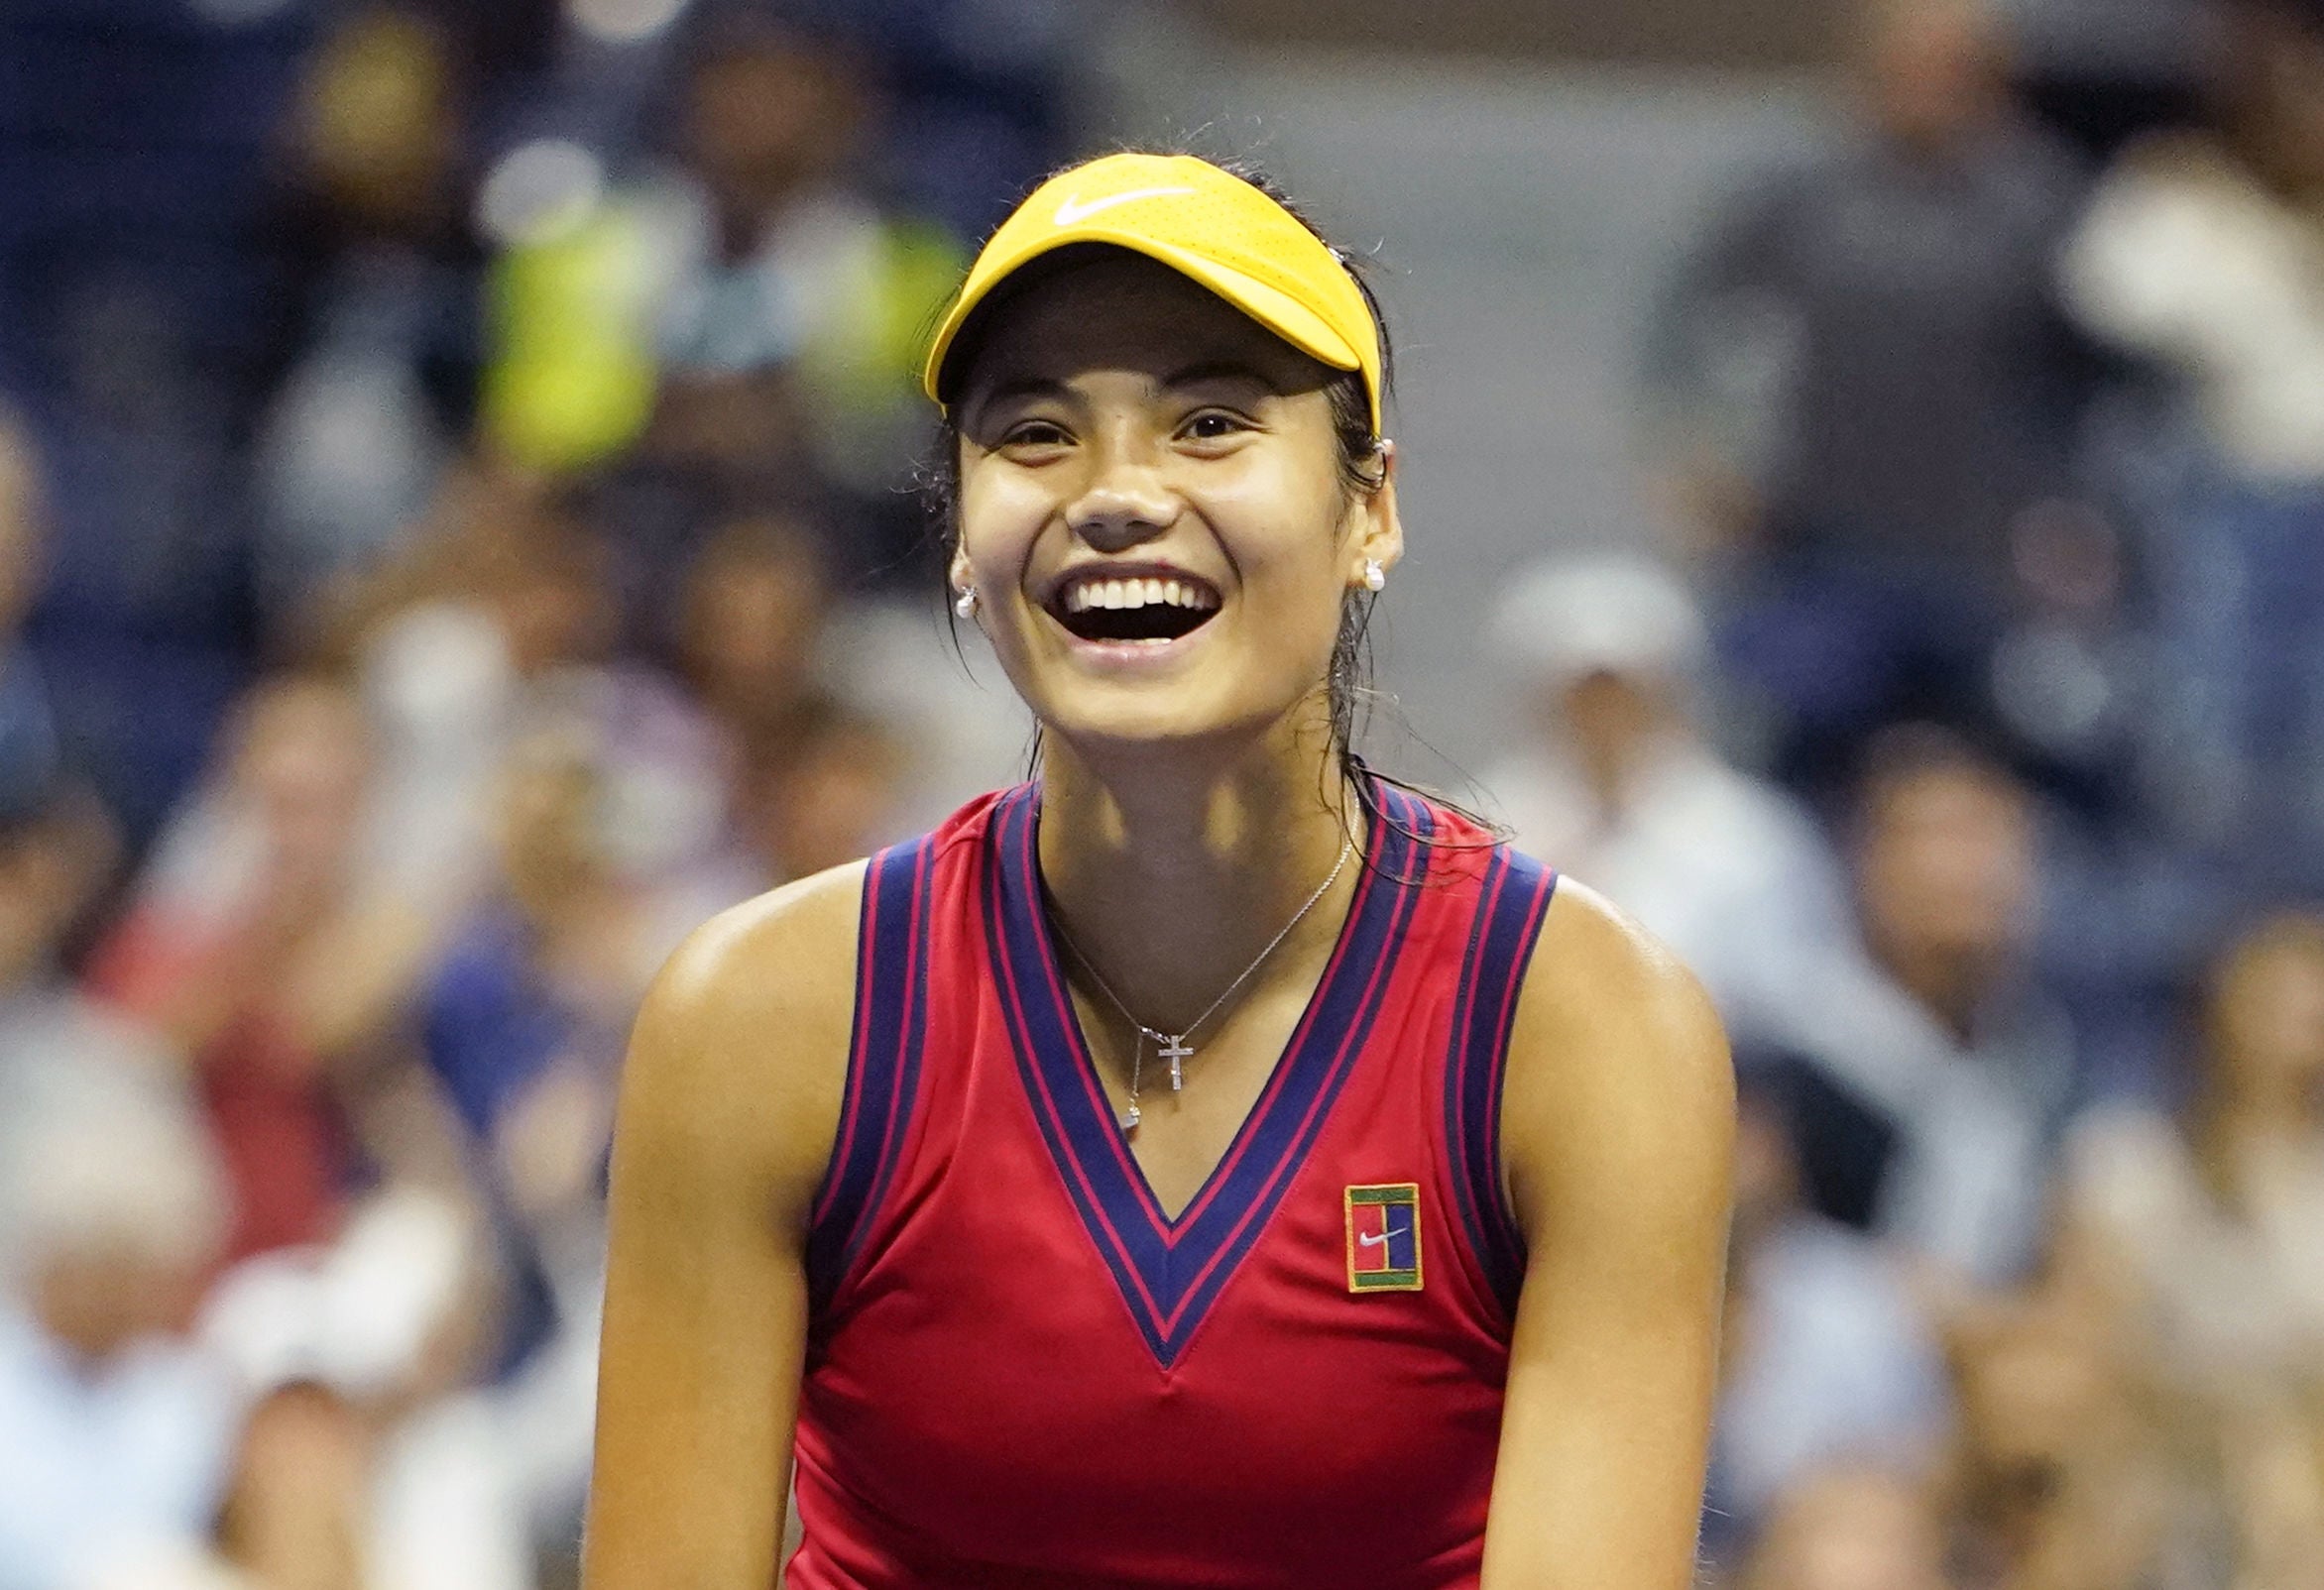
1084	593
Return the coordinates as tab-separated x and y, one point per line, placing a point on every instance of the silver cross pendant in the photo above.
1177	1051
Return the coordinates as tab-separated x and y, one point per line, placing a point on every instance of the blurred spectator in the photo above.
118	1430
525	1018
791	267
53	857
503	607
2206	1231
376	342
28	752
752	613
984	97
229	953
823	789
1618	786
522	1020
368	1463
813	781
356	1022
1859	1528
1870	388
2196	245
546	578
1827	1359
2063	1477
497	588
1937	1071
782	306
2199	252
295	1516
558	958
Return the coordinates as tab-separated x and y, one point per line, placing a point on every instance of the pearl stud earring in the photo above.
966	603
1375	577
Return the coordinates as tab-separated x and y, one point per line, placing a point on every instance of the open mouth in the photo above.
1130	608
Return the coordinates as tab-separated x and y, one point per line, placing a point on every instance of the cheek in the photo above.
999	521
1289	541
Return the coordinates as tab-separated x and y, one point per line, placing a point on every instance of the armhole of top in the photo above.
1513	900
883	1063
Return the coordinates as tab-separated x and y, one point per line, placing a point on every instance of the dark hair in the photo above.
1903	753
1362	469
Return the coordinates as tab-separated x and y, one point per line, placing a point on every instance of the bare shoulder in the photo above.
1617	1067
789	953
739	1051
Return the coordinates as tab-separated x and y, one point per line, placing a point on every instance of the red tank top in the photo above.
1021	1372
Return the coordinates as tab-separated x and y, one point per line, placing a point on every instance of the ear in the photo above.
959	575
1379	528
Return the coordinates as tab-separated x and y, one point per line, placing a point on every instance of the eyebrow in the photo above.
1023	386
1217	370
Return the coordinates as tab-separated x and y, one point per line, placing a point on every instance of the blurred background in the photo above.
1864	466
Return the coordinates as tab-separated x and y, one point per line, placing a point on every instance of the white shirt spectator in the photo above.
2184	256
116	1432
2231	1302
1728	871
1832	1362
1977	1117
103	1466
1726	868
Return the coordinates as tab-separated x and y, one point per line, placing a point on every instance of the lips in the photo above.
1121	605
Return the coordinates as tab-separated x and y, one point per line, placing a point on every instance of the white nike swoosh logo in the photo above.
1072	211
1372	1241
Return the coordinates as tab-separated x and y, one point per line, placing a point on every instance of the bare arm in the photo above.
1617	1125
729	1104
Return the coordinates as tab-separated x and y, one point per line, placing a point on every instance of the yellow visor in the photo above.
1202	222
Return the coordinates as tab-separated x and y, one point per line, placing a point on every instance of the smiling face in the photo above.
1152	510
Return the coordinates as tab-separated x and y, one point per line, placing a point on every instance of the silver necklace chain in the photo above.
1172	1047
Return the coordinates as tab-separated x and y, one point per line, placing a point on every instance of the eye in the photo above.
1035	434
1035	440
1213	424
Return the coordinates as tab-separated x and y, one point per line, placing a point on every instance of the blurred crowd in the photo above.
1966	733
455	529
455	534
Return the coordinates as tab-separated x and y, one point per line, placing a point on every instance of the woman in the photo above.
2202	1234
1109	1188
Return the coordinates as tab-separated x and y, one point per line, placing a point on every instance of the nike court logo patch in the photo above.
1383	1237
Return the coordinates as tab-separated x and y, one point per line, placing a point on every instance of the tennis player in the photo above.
1212	1164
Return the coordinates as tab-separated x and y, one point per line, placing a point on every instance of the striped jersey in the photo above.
1021	1372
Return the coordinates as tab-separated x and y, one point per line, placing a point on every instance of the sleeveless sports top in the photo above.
1021	1372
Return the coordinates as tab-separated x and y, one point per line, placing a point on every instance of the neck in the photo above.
2248	1115
2225	1130
1954	988
1170	875
1614	768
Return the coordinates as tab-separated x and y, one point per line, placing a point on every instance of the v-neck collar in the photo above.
1169	1268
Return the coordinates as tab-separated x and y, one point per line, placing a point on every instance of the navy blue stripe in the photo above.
1158	1264
1462	1142
1017	1009
918	939
883	1063
1512	903
1068	1077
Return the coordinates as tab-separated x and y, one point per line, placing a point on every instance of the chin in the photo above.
1111	719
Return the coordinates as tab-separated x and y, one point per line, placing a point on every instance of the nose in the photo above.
1125	502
